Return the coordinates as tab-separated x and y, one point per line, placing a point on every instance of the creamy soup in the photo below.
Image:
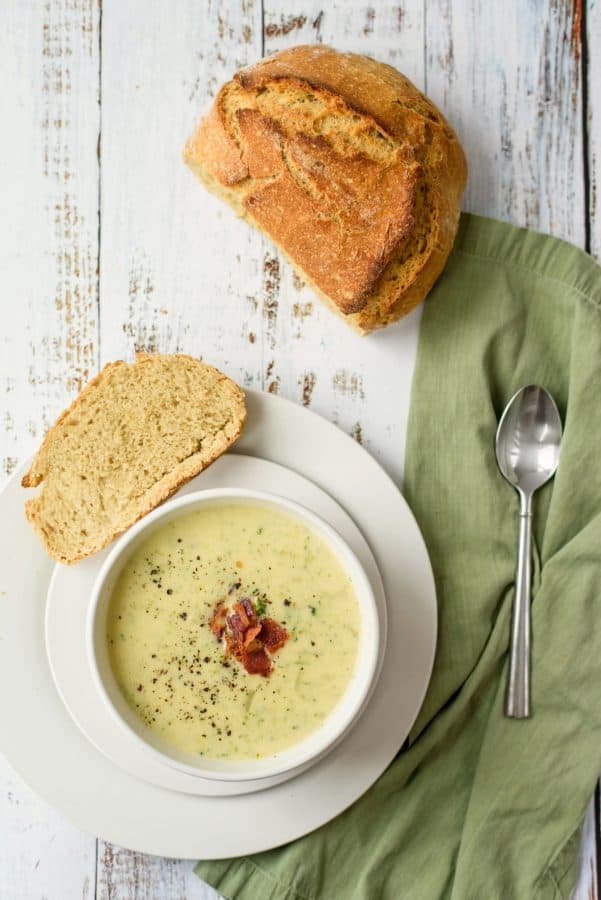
242	566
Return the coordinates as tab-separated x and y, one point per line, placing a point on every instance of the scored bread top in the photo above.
347	166
132	437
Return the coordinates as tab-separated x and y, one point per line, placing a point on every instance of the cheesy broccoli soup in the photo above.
233	631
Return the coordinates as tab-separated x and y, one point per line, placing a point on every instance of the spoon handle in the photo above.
518	692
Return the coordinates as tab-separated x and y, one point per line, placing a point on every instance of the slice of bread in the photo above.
132	437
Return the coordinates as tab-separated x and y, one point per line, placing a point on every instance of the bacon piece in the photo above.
246	611
233	645
251	634
273	635
249	609
217	623
257	662
253	645
236	624
240	611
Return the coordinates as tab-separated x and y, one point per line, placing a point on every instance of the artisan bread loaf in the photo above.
352	172
134	435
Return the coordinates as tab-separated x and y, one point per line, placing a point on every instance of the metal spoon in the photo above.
527	447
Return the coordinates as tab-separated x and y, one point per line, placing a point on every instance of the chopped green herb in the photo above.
260	607
313	610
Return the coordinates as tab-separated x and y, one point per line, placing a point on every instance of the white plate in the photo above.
66	622
46	748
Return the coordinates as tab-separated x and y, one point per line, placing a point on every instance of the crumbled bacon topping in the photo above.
217	623
273	635
250	638
257	662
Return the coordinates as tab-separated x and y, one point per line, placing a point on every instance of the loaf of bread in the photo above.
352	172
133	436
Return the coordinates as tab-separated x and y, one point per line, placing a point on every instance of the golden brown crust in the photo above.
368	86
212	140
347	166
341	238
161	490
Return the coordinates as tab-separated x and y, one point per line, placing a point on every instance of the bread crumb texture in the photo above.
134	435
353	173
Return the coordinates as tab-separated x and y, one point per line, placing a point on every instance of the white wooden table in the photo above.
107	245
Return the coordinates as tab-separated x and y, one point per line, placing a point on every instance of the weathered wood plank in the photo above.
178	271
123	875
311	356
587	881
592	29
48	234
41	855
508	75
48	219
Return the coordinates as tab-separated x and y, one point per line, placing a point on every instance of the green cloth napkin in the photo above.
480	806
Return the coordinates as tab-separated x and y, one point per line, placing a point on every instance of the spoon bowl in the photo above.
527	447
529	438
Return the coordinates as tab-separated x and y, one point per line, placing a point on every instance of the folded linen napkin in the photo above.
480	806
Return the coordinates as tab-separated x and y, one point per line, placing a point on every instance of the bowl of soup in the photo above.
234	634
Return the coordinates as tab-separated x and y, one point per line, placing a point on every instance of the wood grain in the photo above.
179	272
508	75
587	884
49	213
362	384
41	855
123	875
48	290
592	118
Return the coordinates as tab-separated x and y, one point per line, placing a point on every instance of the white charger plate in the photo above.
44	745
66	625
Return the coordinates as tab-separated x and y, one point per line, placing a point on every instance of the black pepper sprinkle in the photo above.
287	603
169	591
183	615
139	687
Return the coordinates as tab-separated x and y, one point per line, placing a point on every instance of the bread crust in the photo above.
161	490
356	274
